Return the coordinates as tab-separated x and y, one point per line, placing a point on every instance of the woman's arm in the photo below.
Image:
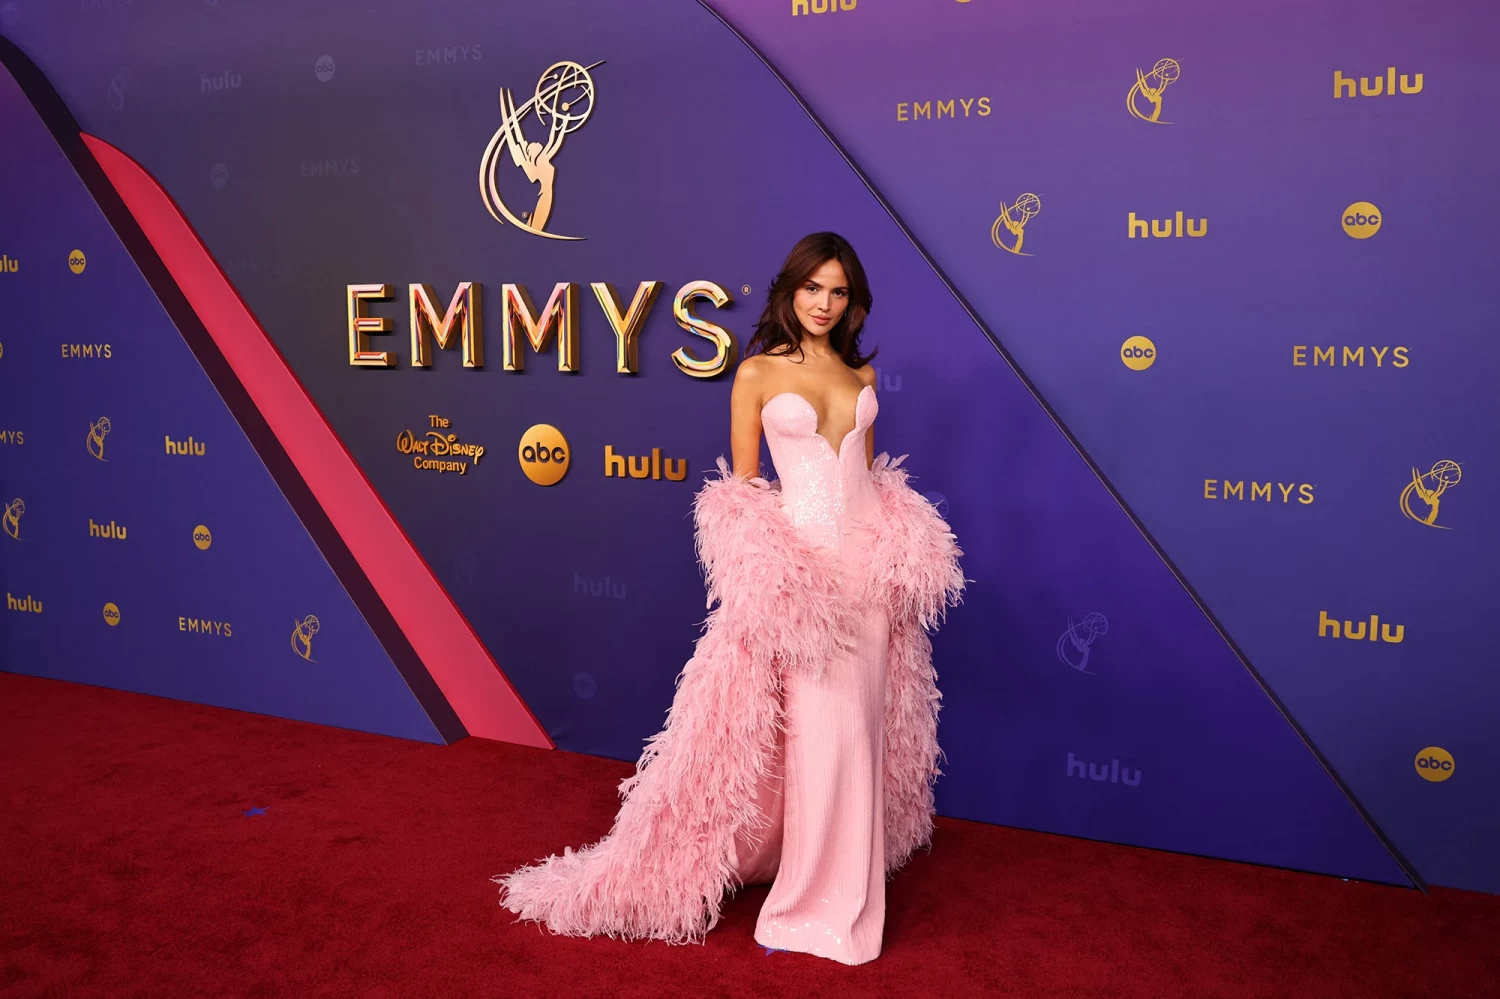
868	376
745	400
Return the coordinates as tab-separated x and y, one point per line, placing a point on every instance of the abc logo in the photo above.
1435	764
1138	353
544	454
1361	220
77	262
202	538
111	615
324	68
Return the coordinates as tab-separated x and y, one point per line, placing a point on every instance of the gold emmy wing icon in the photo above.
1014	218
10	521
1427	489
1149	87
562	102
97	432
302	636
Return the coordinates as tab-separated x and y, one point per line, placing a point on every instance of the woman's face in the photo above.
820	300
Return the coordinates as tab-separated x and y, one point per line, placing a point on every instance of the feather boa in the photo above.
782	604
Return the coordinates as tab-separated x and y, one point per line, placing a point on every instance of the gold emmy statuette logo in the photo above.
10	521
1014	218
302	636
562	102
1148	88
440	452
77	261
1138	353
544	454
202	537
1361	220
111	615
97	432
1435	764
1427	488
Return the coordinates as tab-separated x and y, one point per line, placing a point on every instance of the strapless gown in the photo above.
822	842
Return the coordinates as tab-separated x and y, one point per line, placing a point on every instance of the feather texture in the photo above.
777	604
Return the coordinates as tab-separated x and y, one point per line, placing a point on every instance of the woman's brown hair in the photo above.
779	332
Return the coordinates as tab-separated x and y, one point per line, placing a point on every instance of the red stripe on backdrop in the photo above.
471	680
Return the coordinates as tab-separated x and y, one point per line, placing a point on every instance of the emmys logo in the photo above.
95	441
1014	219
923	110
17	437
89	351
800	7
1351	357
449	55
214	84
1138	353
77	261
1427	488
111	530
1343	86
10	520
1348	630
445	449
202	538
111	614
1074	643
1361	220
187	447
344	166
203	626
1258	491
1162	228
1149	87
9	266
562	102
544	454
115	92
650	466
1435	764
26	604
302	636
1111	772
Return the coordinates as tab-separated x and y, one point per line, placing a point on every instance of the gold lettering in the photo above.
1209	486
984	107
1306	492
901	112
1356	353
725	345
520	315
627	329
1299	357
1261	491
463	311
1286	490
1399	358
945	104
1379	353
922	110
967	104
361	325
1235	489
1322	356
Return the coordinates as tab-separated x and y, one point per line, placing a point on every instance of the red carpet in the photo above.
129	867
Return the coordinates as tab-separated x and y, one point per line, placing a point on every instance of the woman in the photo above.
801	745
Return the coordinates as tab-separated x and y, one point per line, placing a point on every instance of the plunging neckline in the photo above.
839	451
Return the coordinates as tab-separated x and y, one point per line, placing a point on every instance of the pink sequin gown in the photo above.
823	846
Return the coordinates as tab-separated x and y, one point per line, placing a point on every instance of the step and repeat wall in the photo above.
1180	315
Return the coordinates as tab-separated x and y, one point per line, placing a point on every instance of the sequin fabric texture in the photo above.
823	841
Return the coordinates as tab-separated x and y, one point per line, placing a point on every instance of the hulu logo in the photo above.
1361	630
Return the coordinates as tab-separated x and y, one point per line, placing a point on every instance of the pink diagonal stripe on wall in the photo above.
468	676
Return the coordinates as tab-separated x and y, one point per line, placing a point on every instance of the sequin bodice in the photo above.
823	491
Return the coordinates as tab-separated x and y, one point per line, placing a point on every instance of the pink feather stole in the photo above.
782	604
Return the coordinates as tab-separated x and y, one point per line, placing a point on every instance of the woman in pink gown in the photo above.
801	746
